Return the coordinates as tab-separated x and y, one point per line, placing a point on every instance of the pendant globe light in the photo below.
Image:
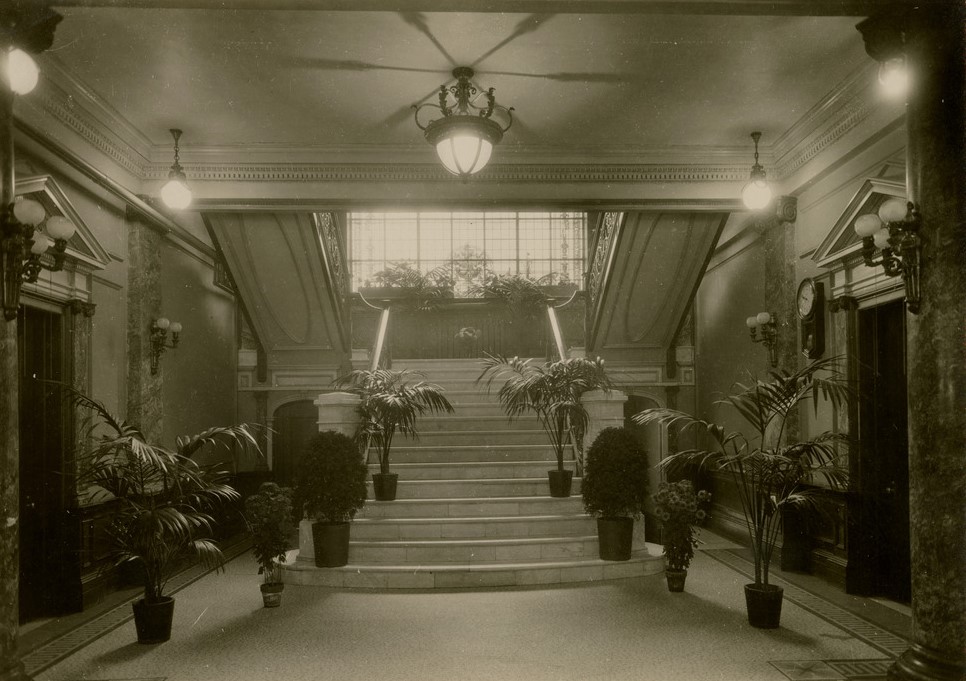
175	192
465	133
757	193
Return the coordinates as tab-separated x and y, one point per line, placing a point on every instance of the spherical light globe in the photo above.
59	227
763	317
881	239
22	71
751	322
176	194
40	245
756	194
176	327
867	225
893	210
29	212
162	323
894	77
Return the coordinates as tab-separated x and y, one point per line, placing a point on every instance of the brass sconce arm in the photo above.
159	340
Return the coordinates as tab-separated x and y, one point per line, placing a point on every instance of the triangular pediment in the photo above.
83	246
842	242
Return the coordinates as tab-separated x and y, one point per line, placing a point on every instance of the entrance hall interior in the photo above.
621	142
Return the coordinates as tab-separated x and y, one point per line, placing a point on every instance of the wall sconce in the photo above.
23	243
159	338
763	329
894	233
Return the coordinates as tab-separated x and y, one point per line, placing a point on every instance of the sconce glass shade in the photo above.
29	212
175	193
22	71
464	154
894	77
40	245
751	322
59	227
894	210
763	318
176	327
162	323
881	239
867	225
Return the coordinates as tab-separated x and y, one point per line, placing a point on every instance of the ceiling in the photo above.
241	80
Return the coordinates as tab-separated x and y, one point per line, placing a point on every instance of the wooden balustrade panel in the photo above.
434	334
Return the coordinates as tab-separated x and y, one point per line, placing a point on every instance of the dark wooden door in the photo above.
49	556
884	449
294	424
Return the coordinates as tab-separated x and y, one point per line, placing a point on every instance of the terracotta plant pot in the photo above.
272	594
153	619
384	486
616	535
560	483
764	603
675	580
331	544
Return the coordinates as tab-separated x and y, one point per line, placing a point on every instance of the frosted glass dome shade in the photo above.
22	71
756	194
464	154
175	194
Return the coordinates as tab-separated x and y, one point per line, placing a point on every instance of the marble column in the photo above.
780	287
144	391
933	43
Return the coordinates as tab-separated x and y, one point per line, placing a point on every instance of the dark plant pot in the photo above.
560	483
615	538
331	544
272	594
384	486
675	580
764	603
153	619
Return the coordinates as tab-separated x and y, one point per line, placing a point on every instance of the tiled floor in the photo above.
623	629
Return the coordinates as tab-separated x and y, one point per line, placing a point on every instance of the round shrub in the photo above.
615	479
331	478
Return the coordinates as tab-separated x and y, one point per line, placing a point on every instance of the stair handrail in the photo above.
381	332
563	354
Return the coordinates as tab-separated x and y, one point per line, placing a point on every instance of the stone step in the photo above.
462	508
473	453
466	470
502	550
571	524
644	562
464	421
440	438
468	405
495	487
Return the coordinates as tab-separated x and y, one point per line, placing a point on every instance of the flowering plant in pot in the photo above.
771	468
330	488
676	505
269	516
390	404
614	489
552	392
163	503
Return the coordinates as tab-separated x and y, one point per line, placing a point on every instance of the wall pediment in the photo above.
842	243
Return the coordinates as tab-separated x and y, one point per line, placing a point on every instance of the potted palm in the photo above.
676	505
330	488
552	392
269	515
403	281
163	504
615	489
390	404
772	470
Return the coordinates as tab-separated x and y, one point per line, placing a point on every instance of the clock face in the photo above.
806	299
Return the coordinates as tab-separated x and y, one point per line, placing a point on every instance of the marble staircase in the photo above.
472	508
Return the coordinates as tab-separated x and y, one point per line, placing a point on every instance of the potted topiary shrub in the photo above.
330	488
676	505
390	404
163	503
770	468
553	393
614	489
269	516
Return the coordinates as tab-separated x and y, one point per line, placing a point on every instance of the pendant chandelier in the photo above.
465	132
757	193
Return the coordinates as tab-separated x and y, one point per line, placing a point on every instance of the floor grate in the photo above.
51	653
862	629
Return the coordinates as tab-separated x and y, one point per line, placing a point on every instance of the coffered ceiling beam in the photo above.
856	8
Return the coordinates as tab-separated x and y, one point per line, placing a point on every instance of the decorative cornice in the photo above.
413	172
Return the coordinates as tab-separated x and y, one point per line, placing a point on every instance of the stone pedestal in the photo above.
604	410
338	412
306	555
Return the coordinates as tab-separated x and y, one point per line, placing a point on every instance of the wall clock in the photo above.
811	312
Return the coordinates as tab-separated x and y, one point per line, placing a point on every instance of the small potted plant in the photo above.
553	393
163	504
677	507
330	488
771	469
390	404
269	515
615	489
